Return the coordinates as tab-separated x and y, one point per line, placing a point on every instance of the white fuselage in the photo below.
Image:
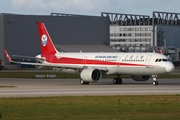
116	63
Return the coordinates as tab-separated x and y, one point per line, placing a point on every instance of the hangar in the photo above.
19	33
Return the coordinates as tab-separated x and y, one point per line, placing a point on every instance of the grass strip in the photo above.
91	108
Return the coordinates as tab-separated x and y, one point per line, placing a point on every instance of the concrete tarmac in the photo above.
23	87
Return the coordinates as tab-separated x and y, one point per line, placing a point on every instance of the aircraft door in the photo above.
148	58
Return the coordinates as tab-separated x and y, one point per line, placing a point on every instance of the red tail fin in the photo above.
47	46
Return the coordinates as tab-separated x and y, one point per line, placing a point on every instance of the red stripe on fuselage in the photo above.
67	60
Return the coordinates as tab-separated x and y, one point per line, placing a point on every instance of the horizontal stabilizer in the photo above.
29	57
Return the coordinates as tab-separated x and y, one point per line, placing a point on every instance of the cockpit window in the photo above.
162	60
165	60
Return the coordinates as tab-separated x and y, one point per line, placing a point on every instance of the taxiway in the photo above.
21	87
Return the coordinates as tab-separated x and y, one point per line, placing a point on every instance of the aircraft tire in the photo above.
87	83
115	81
119	81
82	82
155	83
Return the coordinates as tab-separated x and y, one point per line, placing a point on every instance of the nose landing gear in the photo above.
155	82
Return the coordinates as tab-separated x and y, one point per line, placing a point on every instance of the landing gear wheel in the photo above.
155	83
87	83
82	82
117	81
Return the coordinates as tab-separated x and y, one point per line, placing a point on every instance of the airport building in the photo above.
107	32
141	33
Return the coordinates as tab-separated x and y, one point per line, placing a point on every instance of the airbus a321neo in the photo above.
91	66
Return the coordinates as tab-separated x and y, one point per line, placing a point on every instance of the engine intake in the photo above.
140	77
90	74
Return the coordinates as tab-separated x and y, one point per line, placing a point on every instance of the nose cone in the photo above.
170	67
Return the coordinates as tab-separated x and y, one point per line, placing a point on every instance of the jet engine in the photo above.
90	74
140	77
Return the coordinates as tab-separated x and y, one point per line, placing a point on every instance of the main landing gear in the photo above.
117	80
82	82
155	82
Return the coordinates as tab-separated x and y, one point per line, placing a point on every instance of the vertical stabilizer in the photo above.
47	46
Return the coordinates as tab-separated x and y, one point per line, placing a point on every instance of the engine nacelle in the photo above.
140	77
90	74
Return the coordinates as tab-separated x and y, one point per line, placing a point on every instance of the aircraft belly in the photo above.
111	71
140	70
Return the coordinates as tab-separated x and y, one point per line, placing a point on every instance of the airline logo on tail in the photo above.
44	40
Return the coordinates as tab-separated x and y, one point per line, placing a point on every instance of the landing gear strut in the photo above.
82	82
117	80
155	82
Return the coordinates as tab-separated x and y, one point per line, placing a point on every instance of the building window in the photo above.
148	29
137	29
133	29
138	34
133	34
142	29
124	29
148	34
132	40
142	34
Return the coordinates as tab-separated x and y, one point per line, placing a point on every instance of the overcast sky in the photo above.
88	7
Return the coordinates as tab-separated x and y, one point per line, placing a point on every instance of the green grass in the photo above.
91	108
64	75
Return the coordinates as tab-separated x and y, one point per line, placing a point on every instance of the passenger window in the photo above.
156	60
159	60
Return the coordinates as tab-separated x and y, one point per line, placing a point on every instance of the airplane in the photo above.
93	65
